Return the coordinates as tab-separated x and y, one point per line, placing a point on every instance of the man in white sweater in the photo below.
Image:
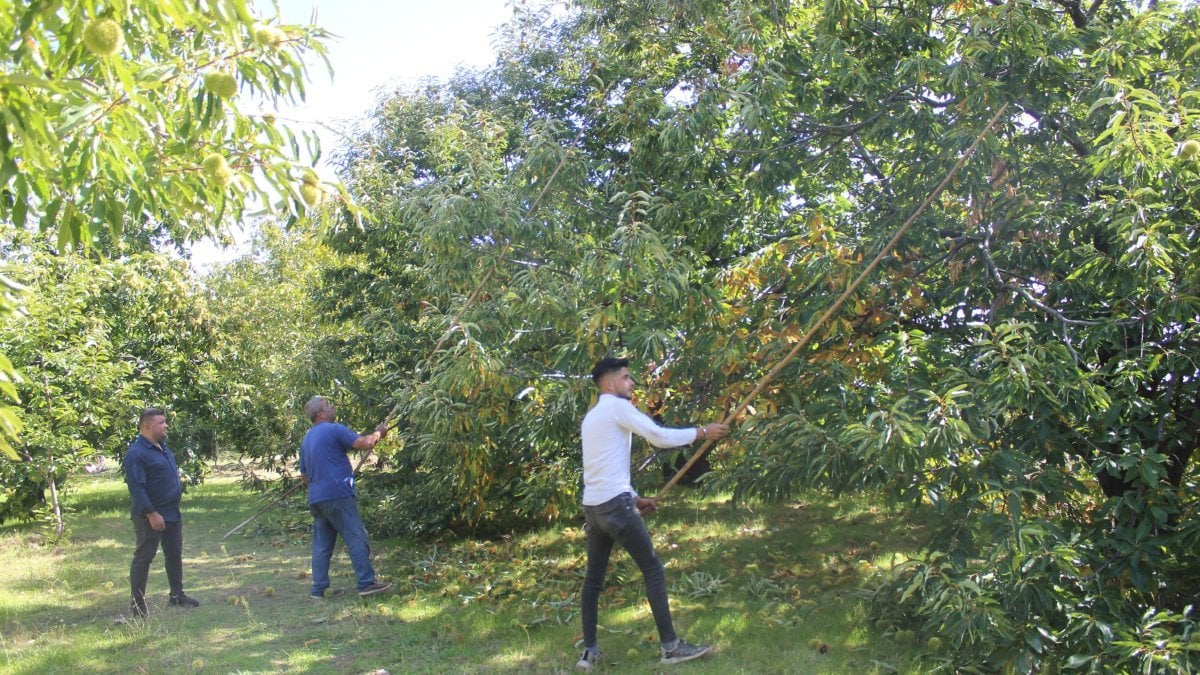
614	510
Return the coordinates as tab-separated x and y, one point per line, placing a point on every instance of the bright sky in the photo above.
380	44
383	43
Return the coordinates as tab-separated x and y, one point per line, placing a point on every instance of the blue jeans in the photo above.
617	521
331	518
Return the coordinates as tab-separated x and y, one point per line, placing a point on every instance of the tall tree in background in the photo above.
279	345
716	174
143	121
98	340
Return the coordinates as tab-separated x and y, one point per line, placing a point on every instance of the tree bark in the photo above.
59	526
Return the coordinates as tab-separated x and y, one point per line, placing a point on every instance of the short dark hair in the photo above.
608	365
147	413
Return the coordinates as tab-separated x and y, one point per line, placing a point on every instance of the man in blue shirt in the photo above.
154	492
325	469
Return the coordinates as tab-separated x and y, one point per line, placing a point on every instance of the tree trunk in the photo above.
59	526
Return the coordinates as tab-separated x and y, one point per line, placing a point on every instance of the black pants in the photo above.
148	541
618	522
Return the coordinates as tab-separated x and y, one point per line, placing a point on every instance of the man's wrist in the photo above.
701	433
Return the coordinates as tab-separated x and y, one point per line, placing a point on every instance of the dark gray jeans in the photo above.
617	520
148	542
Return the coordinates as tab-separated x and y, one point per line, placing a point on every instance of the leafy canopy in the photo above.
109	110
692	183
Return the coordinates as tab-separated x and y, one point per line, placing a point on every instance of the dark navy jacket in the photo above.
153	480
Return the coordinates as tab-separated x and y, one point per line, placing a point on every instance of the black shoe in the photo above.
374	588
182	600
138	609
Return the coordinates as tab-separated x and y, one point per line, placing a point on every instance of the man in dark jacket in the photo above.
154	491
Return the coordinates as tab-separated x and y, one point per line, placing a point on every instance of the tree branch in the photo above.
1078	16
1054	124
985	250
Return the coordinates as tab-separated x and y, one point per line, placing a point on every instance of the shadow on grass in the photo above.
760	582
92	563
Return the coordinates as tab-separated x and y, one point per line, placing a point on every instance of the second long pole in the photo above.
837	304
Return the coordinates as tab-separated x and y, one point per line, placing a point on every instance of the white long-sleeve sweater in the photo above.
607	432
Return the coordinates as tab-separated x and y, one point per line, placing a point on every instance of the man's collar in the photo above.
156	446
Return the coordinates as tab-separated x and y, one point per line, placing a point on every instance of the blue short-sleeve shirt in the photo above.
324	460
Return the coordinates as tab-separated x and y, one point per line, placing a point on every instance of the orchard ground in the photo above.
777	589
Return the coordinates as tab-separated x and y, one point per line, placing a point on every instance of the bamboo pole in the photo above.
478	288
390	418
837	304
261	511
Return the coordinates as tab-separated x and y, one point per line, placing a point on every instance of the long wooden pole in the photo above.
261	511
390	419
480	286
391	416
837	304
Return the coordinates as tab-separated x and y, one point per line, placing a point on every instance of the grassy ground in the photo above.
774	588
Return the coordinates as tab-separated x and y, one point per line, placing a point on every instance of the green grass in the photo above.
762	584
